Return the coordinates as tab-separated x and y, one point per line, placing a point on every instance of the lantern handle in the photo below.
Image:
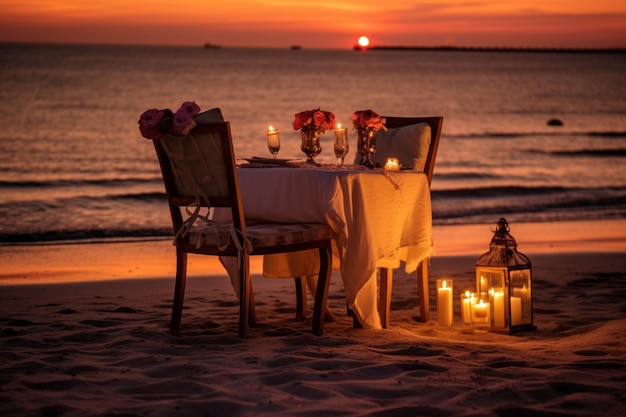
503	226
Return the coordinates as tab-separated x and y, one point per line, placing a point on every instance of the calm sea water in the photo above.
74	167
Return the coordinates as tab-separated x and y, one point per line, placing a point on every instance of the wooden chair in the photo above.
386	274
199	173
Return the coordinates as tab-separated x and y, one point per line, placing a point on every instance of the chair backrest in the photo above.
200	169
435	123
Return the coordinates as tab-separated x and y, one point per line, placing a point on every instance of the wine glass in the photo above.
273	141
340	145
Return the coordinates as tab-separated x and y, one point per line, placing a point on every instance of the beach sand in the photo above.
97	344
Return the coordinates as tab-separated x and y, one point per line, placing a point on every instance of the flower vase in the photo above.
366	145
311	144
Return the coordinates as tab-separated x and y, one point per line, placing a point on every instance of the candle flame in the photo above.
271	128
338	125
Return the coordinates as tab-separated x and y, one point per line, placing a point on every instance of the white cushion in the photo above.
408	143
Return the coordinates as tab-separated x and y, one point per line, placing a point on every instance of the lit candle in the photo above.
467	301
483	284
273	141
340	144
444	304
498	309
272	131
481	310
392	164
481	321
516	311
521	293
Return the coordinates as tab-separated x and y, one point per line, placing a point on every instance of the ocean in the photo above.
74	168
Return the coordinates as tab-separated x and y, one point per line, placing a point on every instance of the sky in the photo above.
335	24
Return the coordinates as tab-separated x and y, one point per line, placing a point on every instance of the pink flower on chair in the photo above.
149	123
154	123
182	123
190	107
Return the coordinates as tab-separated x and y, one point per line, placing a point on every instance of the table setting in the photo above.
380	216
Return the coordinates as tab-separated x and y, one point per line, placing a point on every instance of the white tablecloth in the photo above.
378	219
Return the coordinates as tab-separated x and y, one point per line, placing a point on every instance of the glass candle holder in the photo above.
481	319
273	141
340	145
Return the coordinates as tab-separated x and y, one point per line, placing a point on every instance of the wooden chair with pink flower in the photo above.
197	161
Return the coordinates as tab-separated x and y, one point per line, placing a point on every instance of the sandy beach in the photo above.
83	331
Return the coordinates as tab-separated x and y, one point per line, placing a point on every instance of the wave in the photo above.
583	152
482	135
104	182
40	202
528	203
144	197
465	176
516	191
85	236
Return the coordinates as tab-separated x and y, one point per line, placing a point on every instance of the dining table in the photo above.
378	218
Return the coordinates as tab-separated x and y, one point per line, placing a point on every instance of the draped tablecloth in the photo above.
378	219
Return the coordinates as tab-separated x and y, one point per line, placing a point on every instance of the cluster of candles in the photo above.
483	311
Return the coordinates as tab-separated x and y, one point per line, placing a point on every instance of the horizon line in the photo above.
208	45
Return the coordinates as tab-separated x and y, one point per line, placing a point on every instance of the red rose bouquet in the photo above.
367	123
364	119
315	119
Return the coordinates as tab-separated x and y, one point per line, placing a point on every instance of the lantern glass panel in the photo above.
520	297
489	278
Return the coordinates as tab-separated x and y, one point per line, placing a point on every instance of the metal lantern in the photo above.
504	279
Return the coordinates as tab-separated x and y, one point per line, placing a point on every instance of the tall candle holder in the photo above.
340	144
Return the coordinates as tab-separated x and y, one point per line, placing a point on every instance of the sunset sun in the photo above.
363	41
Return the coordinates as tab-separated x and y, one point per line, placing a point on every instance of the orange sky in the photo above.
318	24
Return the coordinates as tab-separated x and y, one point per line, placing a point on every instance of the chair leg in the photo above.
321	292
422	287
251	310
244	296
300	298
384	299
179	290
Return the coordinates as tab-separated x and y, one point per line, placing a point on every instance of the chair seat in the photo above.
260	234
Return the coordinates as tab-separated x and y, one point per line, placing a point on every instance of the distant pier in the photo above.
493	49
